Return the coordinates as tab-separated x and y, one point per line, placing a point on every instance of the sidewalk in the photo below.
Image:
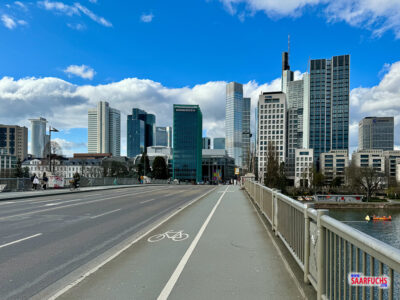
51	192
233	259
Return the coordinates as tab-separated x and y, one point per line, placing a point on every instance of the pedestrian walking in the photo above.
35	182
45	180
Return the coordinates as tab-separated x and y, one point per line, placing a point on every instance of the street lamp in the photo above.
51	130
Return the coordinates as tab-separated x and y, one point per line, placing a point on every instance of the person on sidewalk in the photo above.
35	182
45	180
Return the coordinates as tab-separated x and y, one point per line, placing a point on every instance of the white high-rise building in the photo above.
104	129
271	128
38	137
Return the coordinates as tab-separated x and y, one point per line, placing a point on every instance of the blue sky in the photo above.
62	57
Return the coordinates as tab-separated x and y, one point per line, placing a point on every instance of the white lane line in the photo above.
174	277
147	201
52	204
8	202
107	213
93	270
17	241
61	202
71	205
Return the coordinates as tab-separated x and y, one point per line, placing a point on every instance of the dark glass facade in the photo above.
329	104
141	128
187	141
219	143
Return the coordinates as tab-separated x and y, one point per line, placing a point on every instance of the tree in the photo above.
318	180
282	180
144	165
272	167
18	169
25	172
336	182
365	179
160	170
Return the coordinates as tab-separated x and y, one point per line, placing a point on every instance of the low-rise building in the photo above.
65	168
304	159
217	165
8	163
370	158
333	165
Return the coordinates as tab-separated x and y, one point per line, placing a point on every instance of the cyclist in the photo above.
77	179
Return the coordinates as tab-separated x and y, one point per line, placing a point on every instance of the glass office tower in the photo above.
329	104
38	137
135	133
234	121
376	133
141	132
187	150
164	136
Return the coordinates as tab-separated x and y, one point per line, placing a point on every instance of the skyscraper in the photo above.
376	133
297	92
246	132
135	133
164	136
219	143
38	137
271	128
329	104
187	150
234	121
104	129
141	132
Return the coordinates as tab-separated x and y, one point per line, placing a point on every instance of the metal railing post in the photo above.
306	243
275	211
321	254
261	198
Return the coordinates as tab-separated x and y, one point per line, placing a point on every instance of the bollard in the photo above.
321	254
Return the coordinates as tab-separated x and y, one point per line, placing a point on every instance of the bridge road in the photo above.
46	239
227	255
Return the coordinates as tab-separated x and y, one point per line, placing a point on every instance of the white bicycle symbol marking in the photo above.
176	236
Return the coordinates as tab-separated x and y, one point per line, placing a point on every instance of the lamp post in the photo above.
51	130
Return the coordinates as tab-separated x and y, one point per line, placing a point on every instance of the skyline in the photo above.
184	71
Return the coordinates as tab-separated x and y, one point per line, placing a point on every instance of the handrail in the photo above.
335	245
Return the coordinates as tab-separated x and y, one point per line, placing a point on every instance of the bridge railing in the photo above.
327	250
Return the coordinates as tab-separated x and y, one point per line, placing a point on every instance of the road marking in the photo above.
8	202
174	277
107	213
147	201
17	241
176	236
93	270
70	205
52	204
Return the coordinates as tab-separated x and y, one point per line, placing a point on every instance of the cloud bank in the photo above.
65	104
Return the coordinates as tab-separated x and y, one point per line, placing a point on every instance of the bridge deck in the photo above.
228	255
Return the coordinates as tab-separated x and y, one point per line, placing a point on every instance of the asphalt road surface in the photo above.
43	240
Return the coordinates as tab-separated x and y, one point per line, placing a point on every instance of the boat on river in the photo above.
377	218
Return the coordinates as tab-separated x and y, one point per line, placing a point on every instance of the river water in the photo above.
388	232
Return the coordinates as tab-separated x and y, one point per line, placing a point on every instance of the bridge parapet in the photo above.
328	250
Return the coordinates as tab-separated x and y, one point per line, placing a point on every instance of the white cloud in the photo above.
82	71
71	10
8	21
68	148
93	1
377	16
380	100
147	18
21	5
65	105
77	26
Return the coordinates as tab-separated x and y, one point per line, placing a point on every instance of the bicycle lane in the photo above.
142	271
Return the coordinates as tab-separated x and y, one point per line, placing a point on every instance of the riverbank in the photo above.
362	205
